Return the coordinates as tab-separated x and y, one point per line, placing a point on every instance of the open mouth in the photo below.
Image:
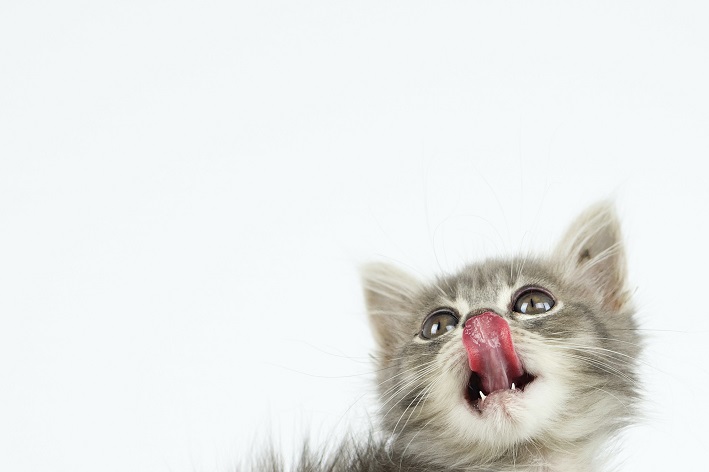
476	393
495	367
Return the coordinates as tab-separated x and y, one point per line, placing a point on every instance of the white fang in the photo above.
482	395
513	386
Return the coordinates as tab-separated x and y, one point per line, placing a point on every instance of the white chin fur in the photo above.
506	418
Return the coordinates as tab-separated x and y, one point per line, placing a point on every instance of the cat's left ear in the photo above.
592	252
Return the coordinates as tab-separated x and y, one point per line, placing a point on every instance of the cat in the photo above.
526	364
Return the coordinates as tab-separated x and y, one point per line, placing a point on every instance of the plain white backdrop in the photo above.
188	188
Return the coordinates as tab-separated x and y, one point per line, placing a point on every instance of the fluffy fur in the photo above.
582	355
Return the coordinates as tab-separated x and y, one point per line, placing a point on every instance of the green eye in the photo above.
533	302
438	323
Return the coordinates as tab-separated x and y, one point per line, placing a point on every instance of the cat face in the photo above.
508	356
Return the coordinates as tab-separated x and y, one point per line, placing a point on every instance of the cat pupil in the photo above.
533	302
438	323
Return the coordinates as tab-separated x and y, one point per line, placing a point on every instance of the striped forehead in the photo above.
479	287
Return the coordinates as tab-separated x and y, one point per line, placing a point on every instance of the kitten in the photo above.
526	364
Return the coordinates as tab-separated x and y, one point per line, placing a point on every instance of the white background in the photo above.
188	188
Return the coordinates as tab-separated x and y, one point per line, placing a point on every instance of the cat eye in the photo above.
533	302
438	323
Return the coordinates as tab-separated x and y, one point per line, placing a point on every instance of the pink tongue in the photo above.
491	353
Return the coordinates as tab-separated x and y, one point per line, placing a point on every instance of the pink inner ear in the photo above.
491	352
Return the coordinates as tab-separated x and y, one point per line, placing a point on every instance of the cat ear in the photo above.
389	293
592	251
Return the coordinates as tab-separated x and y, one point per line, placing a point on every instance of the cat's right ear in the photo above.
389	293
592	252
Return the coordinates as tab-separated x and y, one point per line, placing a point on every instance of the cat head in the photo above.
508	357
